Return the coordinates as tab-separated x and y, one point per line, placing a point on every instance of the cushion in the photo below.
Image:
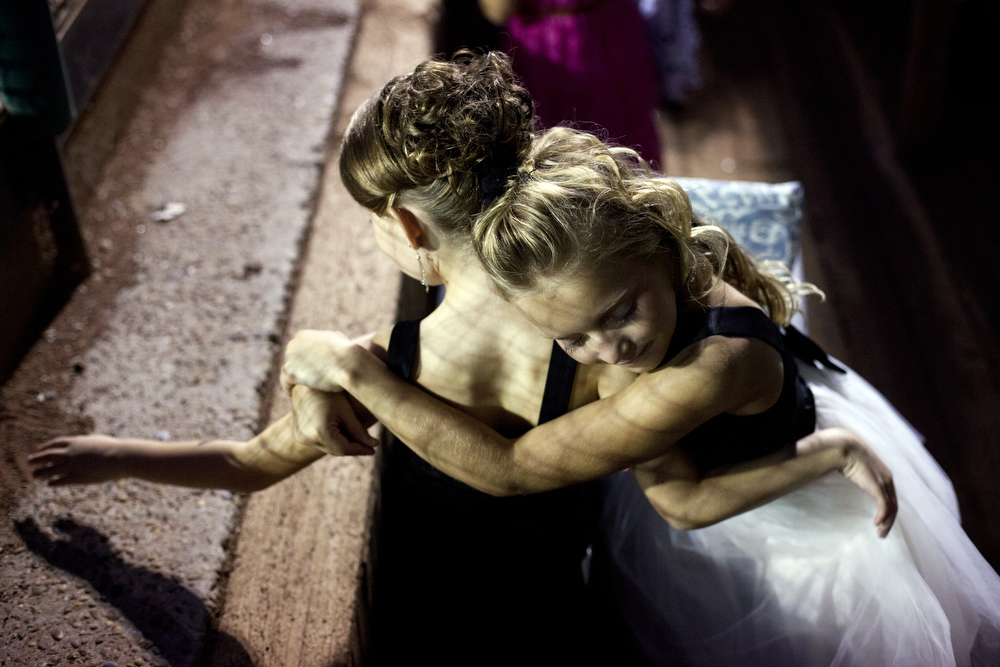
765	218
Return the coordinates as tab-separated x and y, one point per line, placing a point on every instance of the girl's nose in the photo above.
612	348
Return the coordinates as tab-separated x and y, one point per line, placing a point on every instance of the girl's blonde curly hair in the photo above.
576	203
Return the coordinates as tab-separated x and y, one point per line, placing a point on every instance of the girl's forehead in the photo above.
563	305
595	280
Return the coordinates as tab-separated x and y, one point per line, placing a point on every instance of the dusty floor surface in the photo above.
173	336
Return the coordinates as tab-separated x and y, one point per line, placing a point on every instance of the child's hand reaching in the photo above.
863	467
81	459
329	422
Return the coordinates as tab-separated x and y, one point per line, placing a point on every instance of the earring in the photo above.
423	274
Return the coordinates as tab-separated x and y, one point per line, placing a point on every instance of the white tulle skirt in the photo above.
805	580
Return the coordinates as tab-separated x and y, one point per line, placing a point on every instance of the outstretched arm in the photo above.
255	464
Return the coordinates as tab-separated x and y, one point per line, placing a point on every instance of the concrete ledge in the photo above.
297	592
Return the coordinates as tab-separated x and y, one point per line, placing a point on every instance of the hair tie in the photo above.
493	182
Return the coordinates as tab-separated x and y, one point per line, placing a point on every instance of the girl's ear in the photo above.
410	224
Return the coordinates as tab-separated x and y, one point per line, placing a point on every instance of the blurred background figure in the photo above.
586	63
674	38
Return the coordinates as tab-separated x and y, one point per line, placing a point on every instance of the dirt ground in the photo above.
82	578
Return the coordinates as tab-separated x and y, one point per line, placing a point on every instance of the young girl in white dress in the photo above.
602	255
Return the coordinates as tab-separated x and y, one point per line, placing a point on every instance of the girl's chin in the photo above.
639	363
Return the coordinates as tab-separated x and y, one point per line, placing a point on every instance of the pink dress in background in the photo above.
588	63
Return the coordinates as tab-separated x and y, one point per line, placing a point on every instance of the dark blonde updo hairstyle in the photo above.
578	204
427	138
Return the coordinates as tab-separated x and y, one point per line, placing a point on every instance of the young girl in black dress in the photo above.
602	255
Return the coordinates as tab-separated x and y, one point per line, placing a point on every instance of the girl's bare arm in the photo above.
636	425
688	500
252	465
632	428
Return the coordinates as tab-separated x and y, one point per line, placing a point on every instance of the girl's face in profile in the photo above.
623	316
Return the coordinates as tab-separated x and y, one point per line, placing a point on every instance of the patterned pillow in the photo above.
765	218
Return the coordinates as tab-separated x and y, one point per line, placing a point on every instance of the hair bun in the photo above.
450	117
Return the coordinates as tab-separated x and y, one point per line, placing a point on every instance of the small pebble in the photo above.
171	210
57	633
110	663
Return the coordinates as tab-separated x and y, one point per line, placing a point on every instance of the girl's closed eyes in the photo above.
624	320
573	344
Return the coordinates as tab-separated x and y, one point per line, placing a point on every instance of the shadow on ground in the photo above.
167	614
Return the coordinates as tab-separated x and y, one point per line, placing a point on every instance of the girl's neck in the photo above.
470	298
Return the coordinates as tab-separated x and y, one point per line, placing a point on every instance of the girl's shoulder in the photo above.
378	343
729	370
724	295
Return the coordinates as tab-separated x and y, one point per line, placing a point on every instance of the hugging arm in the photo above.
688	500
637	427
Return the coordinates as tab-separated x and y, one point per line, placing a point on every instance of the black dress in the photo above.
462	577
729	439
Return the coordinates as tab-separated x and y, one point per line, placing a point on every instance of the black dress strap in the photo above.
740	321
402	350
803	347
558	385
747	322
744	321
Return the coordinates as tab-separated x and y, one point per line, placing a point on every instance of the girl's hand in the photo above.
81	459
863	467
329	423
315	359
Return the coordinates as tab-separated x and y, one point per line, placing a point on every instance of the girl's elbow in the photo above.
682	523
504	489
682	517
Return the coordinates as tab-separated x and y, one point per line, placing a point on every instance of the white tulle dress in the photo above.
805	580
